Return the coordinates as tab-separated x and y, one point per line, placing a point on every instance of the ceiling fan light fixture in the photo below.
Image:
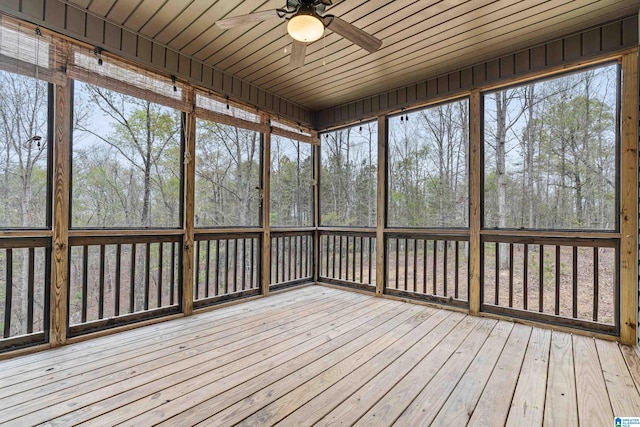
305	26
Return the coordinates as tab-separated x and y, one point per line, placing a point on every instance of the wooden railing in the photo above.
118	279
560	280
348	258
291	258
226	266
428	266
24	294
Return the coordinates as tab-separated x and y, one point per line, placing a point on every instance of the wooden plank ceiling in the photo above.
421	39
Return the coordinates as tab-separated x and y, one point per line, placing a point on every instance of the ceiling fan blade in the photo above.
352	33
251	18
298	51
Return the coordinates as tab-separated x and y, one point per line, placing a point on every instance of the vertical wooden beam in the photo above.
475	197
60	222
188	221
266	209
629	200
381	204
316	207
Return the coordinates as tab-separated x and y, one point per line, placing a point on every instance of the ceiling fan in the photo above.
305	24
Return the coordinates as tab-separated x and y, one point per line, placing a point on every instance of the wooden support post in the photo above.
316	208
629	200
265	193
475	197
189	204
381	204
60	224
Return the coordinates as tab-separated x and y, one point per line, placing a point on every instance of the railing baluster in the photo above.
335	254
596	274
497	280
160	271
575	282
173	274
30	290
353	260
101	285
510	274
226	266
207	268
525	282
370	258
147	273
132	280
297	258
116	306
85	278
424	266
557	301
340	258
346	263
445	279
8	297
251	264
456	264
397	266
541	279
235	265
435	267
244	264
217	263
276	279
415	263
196	282
361	259
406	262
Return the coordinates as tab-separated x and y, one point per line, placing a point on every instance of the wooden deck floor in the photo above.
321	356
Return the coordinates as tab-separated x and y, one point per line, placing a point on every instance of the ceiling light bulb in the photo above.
305	27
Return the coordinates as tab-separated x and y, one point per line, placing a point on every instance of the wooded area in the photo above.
427	167
551	153
349	162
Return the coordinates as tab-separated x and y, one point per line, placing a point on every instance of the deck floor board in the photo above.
323	356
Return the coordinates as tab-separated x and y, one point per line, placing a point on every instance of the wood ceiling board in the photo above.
207	32
121	11
101	7
145	11
263	59
82	3
173	27
336	96
430	50
420	46
163	18
394	37
228	41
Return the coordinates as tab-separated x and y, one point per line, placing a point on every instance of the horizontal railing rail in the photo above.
227	266
24	291
430	266
348	258
291	258
561	280
121	279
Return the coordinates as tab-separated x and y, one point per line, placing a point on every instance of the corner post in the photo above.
475	197
316	207
189	203
266	208
381	207
629	200
59	308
